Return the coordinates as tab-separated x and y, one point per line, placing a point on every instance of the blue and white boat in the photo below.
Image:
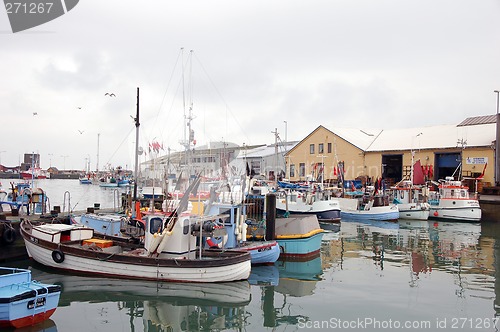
85	180
23	199
123	182
25	302
298	236
367	208
231	218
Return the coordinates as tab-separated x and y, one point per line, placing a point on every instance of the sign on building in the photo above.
476	160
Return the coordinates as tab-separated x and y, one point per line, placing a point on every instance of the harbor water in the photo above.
375	276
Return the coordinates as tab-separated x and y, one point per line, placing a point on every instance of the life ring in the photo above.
217	242
58	256
9	235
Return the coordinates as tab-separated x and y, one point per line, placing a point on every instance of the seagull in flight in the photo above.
110	94
79	107
35	113
81	131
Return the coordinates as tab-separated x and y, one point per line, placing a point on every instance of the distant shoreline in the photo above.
65	175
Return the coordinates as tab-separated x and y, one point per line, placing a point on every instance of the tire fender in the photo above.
58	256
9	235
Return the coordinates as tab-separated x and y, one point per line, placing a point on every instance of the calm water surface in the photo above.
411	275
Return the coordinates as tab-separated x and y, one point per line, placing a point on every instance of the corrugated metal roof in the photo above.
477	120
435	137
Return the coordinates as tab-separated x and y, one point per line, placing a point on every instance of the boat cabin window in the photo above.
231	212
155	225
185	226
463	194
65	236
293	197
452	192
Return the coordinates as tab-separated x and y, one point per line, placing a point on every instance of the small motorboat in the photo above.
25	302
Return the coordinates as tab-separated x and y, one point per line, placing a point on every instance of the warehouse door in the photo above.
392	168
446	164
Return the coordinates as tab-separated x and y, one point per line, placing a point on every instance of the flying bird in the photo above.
110	94
35	113
81	131
79	107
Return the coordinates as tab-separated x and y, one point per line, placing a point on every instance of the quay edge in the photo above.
490	207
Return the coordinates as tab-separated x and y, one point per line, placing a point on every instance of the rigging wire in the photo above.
223	100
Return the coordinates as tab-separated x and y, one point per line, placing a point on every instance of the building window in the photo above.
302	169
255	166
320	148
292	170
311	149
329	147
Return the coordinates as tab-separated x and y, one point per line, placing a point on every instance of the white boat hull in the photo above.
413	211
453	202
349	209
75	263
456	209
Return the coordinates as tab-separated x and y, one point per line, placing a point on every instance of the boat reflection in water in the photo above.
157	306
279	282
299	278
46	326
426	247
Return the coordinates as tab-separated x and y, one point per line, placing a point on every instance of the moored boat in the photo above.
169	252
299	236
368	208
34	173
23	301
23	199
326	208
231	218
85	180
453	202
411	201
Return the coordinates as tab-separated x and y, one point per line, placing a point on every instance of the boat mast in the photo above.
188	131
275	132
137	124
97	162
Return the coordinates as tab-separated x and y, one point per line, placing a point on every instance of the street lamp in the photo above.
497	145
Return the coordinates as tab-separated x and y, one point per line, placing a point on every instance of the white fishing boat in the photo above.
168	253
452	201
411	201
326	208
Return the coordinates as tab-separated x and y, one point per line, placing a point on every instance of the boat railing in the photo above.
67	193
116	199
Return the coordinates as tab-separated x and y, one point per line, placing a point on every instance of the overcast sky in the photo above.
255	64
